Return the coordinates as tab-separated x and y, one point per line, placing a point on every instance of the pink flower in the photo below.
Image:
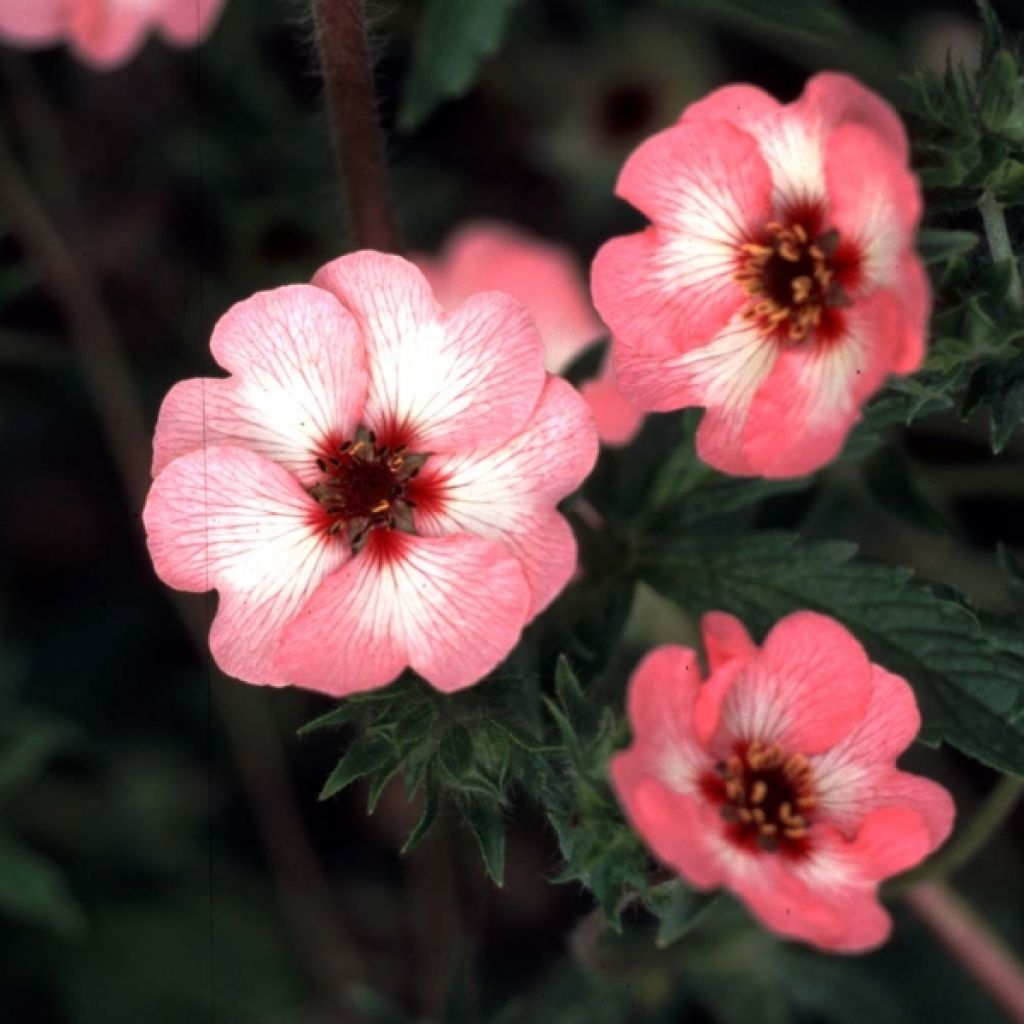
484	255
776	776
374	486
105	33
778	284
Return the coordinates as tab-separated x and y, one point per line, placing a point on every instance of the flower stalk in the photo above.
355	127
1001	248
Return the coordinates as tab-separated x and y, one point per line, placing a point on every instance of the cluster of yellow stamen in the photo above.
768	793
790	280
365	487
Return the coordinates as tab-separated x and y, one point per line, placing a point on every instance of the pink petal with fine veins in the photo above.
484	256
806	689
298	380
859	775
671	288
230	519
451	608
440	382
508	494
805	407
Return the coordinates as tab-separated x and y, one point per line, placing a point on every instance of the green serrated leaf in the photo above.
565	728
487	823
938	246
970	688
455	751
568	688
353	707
679	910
380	779
522	738
1000	386
453	38
333	719
431	805
367	753
34	891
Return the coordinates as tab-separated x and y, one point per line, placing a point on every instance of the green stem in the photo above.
974	945
1000	248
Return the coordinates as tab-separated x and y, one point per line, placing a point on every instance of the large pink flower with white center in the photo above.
374	486
778	284
776	776
483	255
106	33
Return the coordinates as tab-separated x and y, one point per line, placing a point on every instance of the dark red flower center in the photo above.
765	798
791	277
366	487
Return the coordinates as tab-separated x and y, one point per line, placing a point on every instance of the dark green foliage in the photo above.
968	685
453	37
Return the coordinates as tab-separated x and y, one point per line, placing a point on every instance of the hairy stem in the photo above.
973	944
352	106
1000	248
305	895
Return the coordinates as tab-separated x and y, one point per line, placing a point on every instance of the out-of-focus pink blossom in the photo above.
484	256
778	285
776	775
375	484
106	33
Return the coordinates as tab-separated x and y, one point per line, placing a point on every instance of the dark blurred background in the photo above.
163	857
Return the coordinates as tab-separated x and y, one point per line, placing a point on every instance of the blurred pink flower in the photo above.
486	256
374	486
778	285
105	33
776	776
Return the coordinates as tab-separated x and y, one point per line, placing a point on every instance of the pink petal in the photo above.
699	182
106	36
675	827
792	138
230	519
742	106
451	608
807	689
671	288
487	256
725	639
859	775
187	22
830	900
875	203
660	703
662	692
723	373
440	383
508	494
831	914
32	22
805	407
299	382
617	419
834	100
890	841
